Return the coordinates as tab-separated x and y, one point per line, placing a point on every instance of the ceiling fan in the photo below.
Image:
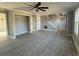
37	7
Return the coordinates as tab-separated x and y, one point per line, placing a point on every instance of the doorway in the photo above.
22	24
62	23
3	26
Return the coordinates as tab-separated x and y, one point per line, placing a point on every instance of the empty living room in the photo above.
39	28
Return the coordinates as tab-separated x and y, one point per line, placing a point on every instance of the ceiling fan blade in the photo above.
37	5
25	8
43	7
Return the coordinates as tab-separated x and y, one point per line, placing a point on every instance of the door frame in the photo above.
6	20
30	22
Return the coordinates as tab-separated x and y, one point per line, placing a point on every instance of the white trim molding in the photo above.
48	29
73	37
22	32
12	37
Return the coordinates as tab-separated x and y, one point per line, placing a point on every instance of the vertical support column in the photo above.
38	22
31	24
14	26
12	32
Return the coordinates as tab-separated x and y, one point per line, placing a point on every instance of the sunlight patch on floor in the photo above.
3	35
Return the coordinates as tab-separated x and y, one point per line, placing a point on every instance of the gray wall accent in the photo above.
21	24
28	23
70	22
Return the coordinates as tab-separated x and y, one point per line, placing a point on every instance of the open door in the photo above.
3	27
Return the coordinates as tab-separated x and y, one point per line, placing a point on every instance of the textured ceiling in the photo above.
54	7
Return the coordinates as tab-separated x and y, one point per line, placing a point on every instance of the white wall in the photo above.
3	27
11	24
34	23
62	25
20	24
43	21
38	22
31	24
51	22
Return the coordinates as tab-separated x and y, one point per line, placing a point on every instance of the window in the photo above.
76	24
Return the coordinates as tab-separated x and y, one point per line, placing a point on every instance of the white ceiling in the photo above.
54	7
59	7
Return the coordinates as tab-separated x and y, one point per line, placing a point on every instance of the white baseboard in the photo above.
12	37
22	32
35	30
18	34
73	37
48	29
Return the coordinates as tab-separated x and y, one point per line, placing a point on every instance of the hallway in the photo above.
41	43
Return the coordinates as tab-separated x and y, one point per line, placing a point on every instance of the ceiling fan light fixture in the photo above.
37	10
37	7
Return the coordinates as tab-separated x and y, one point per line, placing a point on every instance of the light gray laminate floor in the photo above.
42	43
